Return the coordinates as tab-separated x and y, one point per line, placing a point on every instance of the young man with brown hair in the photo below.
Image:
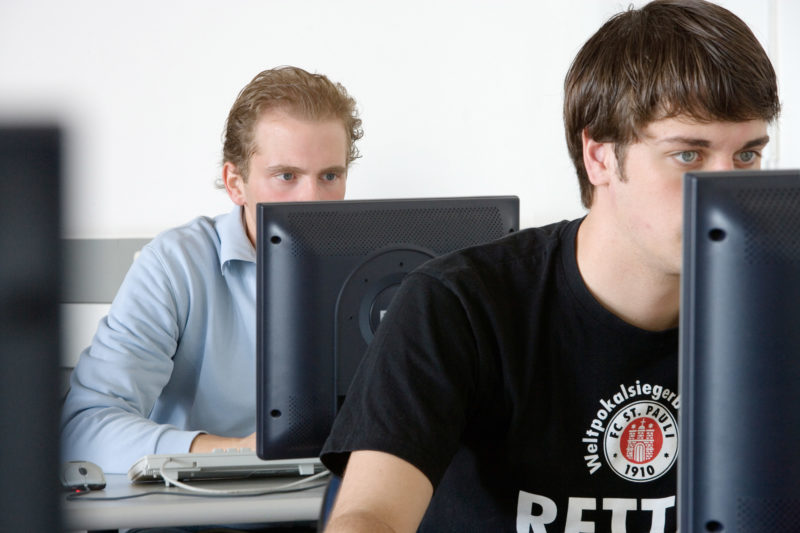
171	368
531	384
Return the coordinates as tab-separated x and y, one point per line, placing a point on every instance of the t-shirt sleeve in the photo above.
413	390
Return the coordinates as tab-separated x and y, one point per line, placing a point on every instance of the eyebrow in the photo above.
335	169
761	141
703	143
297	170
283	168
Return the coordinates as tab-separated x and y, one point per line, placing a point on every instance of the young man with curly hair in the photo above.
171	368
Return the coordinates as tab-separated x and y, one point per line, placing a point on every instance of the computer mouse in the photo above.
82	475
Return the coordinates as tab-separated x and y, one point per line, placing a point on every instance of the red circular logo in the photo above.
641	440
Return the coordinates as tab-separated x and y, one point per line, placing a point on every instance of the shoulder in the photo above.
525	250
189	251
197	237
198	230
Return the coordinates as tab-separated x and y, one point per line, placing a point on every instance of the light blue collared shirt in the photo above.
176	354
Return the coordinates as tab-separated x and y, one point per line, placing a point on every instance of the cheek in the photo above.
267	190
337	192
663	212
668	202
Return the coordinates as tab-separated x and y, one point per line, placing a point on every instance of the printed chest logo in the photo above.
636	431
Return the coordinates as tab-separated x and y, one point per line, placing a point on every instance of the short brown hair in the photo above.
669	58
298	92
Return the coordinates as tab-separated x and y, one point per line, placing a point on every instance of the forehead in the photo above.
284	138
683	127
281	125
291	118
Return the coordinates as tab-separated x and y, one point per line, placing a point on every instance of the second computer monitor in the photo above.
326	274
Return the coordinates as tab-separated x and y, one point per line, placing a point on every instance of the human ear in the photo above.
234	183
598	159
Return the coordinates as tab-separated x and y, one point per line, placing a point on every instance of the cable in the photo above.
236	492
264	492
295	486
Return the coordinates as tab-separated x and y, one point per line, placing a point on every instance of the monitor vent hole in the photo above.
301	425
773	515
773	229
714	526
275	413
275	239
331	233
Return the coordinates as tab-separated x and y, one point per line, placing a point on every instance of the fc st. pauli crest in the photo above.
635	433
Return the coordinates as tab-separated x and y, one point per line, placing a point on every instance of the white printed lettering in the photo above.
619	508
592	463
527	522
575	509
659	508
535	512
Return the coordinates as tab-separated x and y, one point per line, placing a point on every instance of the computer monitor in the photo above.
739	457
30	171
326	274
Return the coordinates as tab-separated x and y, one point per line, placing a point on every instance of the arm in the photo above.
380	493
408	405
121	375
204	443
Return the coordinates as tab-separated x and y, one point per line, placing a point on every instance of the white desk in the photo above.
172	510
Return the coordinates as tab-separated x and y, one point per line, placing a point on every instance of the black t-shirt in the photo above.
529	406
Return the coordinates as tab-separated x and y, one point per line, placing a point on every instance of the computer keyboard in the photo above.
222	464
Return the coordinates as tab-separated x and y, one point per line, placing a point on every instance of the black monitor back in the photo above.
326	274
740	353
30	167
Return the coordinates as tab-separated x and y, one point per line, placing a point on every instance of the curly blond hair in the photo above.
305	95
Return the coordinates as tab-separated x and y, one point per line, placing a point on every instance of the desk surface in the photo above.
169	508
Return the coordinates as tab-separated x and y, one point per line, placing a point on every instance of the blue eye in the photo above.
286	176
688	157
747	157
330	176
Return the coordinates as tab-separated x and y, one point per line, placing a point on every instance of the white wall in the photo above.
458	97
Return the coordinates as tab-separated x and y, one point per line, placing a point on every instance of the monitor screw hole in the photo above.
717	235
275	413
275	239
714	526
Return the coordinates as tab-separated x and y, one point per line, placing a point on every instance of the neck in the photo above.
640	294
249	228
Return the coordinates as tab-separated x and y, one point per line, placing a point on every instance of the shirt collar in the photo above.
234	244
